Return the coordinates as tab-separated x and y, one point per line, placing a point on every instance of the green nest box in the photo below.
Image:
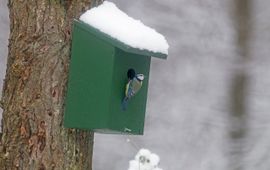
97	80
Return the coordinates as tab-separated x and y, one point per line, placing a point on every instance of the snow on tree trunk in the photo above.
34	89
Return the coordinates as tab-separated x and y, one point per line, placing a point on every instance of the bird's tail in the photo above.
124	104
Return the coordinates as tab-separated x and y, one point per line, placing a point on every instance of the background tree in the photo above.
34	88
240	82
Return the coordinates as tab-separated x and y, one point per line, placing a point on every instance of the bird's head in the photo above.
140	77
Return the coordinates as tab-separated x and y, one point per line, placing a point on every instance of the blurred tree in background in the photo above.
242	22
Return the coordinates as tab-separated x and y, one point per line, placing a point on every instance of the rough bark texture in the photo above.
34	89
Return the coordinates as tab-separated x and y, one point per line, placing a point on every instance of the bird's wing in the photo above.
129	89
127	86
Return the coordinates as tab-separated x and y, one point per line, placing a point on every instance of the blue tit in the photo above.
133	86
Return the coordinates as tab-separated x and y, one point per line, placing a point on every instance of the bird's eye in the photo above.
148	161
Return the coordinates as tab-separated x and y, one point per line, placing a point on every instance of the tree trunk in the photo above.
241	18
34	89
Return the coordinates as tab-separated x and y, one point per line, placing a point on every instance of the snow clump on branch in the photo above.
145	160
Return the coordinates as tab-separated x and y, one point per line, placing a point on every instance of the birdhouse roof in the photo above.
111	24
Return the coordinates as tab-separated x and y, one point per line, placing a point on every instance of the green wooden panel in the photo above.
91	68
133	117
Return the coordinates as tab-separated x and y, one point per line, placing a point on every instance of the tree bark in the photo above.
34	89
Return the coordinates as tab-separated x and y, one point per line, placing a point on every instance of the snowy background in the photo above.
188	115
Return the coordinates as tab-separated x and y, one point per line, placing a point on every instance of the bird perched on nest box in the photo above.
133	86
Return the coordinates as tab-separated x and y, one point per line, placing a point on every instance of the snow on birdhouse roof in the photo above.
110	20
